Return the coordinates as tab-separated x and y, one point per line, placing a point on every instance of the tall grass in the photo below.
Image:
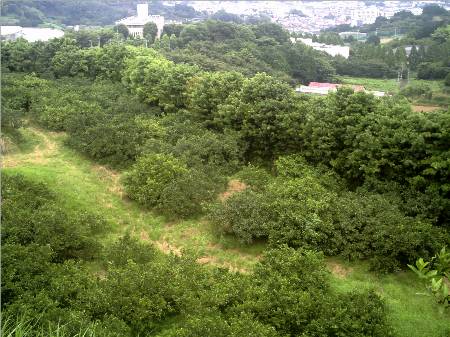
25	327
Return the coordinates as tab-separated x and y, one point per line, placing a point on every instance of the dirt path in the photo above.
39	155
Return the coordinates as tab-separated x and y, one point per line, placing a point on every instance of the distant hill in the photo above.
32	13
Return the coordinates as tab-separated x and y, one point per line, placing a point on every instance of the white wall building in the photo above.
30	34
135	24
330	49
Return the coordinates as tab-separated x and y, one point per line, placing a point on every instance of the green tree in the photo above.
414	58
172	29
400	56
150	31
123	30
265	112
447	80
373	39
143	75
208	90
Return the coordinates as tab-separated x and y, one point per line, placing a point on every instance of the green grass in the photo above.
387	85
80	183
23	327
21	141
441	94
412	312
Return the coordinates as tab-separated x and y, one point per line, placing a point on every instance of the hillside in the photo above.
31	13
184	188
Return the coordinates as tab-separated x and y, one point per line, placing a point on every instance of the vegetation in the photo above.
233	160
249	49
438	276
89	12
426	92
427	37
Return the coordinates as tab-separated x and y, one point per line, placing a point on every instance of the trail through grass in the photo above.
80	183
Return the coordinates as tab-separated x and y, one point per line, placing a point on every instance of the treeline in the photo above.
427	35
261	47
429	59
416	26
212	46
31	13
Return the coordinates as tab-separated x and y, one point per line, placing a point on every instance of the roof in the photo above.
8	30
138	21
32	34
335	85
323	85
41	34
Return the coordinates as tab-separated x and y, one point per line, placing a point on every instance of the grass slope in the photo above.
441	94
80	183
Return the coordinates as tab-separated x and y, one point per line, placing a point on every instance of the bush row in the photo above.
141	292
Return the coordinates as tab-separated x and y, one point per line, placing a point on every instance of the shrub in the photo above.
256	178
417	90
31	215
245	214
339	316
447	80
305	207
165	183
127	249
429	71
184	196
152	173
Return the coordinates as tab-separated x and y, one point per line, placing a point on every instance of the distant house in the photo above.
30	34
10	32
135	24
319	88
330	49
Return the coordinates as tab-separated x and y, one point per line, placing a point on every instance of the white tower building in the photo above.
135	24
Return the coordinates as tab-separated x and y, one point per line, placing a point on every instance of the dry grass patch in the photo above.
339	270
167	248
112	178
234	186
40	154
425	108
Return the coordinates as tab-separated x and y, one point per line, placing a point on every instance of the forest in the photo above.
346	177
32	13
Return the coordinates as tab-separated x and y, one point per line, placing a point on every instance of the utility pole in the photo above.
99	41
90	42
146	42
